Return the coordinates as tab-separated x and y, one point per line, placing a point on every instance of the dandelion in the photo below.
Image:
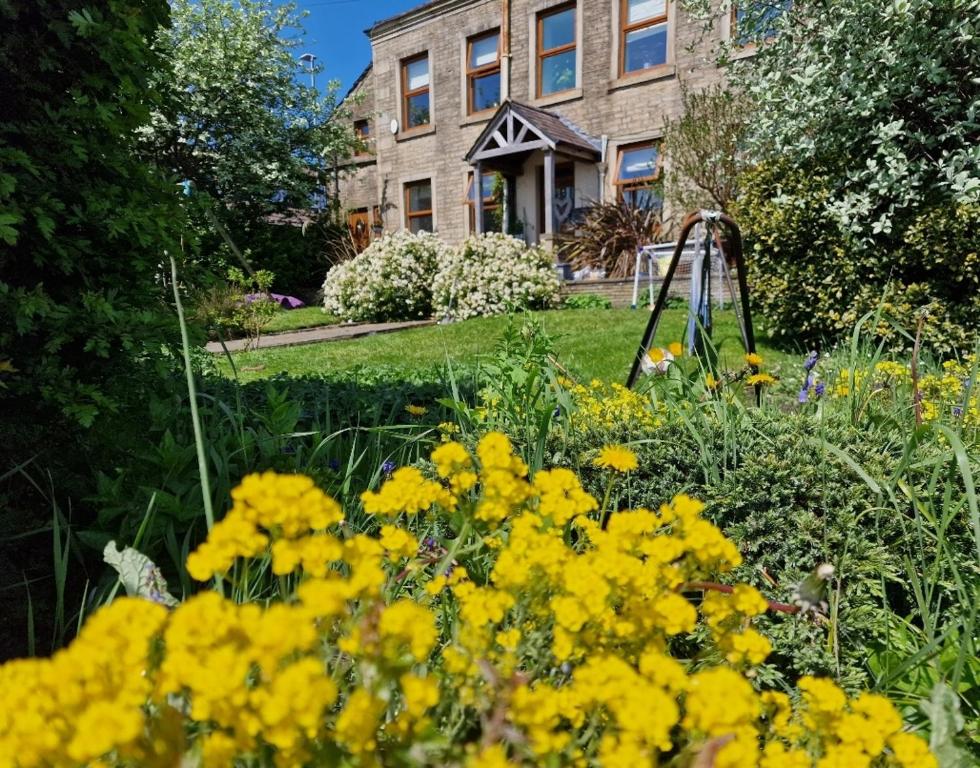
710	382
616	457
761	380
416	410
754	359
675	348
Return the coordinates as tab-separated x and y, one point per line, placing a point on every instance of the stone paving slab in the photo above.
321	334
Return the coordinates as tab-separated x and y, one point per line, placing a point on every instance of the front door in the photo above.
360	229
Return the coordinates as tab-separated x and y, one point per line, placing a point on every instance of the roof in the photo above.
392	22
552	131
360	79
559	129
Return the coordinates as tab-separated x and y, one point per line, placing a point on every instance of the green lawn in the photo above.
590	343
295	319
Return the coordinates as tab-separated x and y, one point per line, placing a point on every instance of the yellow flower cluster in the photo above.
552	646
267	507
602	406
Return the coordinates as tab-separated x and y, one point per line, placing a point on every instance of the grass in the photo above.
590	343
297	319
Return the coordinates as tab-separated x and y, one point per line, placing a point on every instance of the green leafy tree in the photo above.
83	223
866	130
238	120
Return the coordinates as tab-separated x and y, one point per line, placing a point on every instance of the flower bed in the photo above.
490	620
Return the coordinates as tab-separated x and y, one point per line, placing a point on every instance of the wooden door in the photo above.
360	228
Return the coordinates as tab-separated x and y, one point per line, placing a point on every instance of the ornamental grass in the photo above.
488	620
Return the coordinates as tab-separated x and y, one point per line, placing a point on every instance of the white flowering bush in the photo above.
391	280
492	274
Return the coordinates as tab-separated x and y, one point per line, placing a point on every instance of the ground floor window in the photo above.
492	208
638	175
418	206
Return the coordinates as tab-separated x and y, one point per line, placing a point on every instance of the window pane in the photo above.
638	163
420	224
420	197
558	29
486	92
417	75
558	73
758	20
487	181
641	10
642	197
646	48
483	51
418	110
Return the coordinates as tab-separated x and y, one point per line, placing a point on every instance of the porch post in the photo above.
549	192
478	196
505	204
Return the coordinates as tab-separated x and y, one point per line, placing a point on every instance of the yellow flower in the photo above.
710	382
398	542
675	348
616	457
760	380
657	355
416	410
754	359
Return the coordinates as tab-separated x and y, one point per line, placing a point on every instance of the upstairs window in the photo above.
492	213
362	132
637	175
483	72
756	20
557	54
418	206
643	38
415	89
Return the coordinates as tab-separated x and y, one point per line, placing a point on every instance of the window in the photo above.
415	92
637	175
492	213
362	132
556	50
483	72
418	206
643	38
757	20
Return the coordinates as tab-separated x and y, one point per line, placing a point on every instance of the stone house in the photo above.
545	106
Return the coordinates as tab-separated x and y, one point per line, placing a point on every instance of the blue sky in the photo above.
335	32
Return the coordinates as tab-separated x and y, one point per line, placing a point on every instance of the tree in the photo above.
236	120
702	148
84	224
865	128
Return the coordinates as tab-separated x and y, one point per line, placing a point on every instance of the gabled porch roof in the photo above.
517	130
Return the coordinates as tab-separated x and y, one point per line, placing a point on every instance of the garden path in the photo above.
317	335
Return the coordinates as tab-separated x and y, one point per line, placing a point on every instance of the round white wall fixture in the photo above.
393	127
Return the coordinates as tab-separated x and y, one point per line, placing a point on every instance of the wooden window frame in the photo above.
643	182
625	28
489	203
409	213
364	139
472	74
407	95
543	54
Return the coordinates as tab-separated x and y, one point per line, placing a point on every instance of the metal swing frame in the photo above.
708	218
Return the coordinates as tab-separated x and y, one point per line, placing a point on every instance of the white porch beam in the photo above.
478	196
549	192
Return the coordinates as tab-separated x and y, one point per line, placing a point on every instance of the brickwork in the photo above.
624	110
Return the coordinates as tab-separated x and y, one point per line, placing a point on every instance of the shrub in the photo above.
391	280
587	301
610	235
812	280
493	274
492	622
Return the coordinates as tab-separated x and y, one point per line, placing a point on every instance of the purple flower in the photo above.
804	395
957	411
820	389
387	468
810	362
334	464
